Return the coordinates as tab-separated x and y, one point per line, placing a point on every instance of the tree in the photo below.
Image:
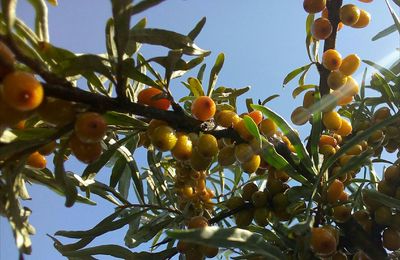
328	207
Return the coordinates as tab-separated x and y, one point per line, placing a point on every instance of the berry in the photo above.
391	239
197	222
345	128
226	156
86	153
322	241
331	59
244	218
22	91
332	120
226	118
262	216
321	29
36	160
199	162
183	147
164	138
7	60
57	112
234	202
336	79
203	108
47	149
241	129
334	191
349	14
257	116
90	127
153	98
309	99
300	116
350	64
314	6
243	152
363	20
259	199
251	165
248	190
207	145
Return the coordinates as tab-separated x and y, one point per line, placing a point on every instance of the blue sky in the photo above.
262	41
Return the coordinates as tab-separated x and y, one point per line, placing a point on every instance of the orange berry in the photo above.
326	15
251	165
322	241
207	145
334	191
314	6
7	60
203	108
350	64
363	20
332	120
391	239
257	116
20	125
321	29
327	140
226	118
300	116
241	129
345	128
153	98
342	213
268	127
336	79
57	112
243	152
226	156
47	149
36	160
349	14
163	138
331	59
183	147
86	153
22	91
309	99
197	222
90	127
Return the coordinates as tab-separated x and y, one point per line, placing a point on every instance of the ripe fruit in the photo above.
248	190
345	128
243	152
257	116
150	96
90	127
241	129
244	218
363	20
349	14
327	140
9	116
342	213
203	108
391	239
22	91
207	145
383	215
308	99
332	120
47	149
331	59
268	127
234	202
226	156
86	153
197	222
7	60
36	160
336	79
314	6
300	116
392	174
199	162
163	138
350	64
226	118
251	165
183	147
208	251
334	191
327	150
259	199
322	241
262	216
57	112
321	29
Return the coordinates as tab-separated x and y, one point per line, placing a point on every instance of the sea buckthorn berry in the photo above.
327	150
194	254
363	20
268	127
207	145
336	79
322	241
331	59
259	199
234	202
262	216
391	239
7	60
203	108
349	14
56	111
47	149
281	175
339	255
327	140
90	127
248	190
321	29
300	116
381	114
22	91
345	128
9	116
153	98
344	196
154	123
257	116
226	118
197	222
280	201
309	99
383	215
325	14
342	213
351	87
36	160
350	64
84	152
386	188
183	147
314	6
199	162
334	191
164	138
332	120
244	218
183	246
276	186
226	156
376	137
392	174
241	129
355	150
251	165
243	152
209	251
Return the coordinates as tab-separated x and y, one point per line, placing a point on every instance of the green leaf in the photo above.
41	19
309	38
394	16
268	99
143	6
197	29
129	70
356	140
132	46
387	92
181	66
110	43
252	127
291	135
316	130
121	14
382	198
8	8
297	91
229	238
168	39
294	73
385	72
195	87
385	32
219	62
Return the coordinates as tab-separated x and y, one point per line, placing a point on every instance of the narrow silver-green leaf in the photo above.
219	62
294	73
385	32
